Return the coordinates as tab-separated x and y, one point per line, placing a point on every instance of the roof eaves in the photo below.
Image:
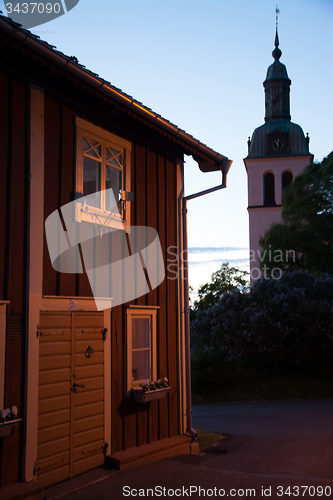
70	64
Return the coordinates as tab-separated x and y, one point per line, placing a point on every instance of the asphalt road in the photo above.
279	449
275	437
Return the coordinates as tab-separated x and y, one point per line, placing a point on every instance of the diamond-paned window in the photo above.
102	173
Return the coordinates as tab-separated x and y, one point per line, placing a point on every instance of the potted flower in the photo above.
8	421
151	390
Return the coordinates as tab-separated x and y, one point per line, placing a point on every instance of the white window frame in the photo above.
84	212
144	312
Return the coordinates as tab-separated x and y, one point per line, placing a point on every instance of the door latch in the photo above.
75	386
89	352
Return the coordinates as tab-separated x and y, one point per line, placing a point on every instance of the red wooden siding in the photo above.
154	184
152	300
4	158
13	255
153	181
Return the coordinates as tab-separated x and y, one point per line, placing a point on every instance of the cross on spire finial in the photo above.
277	12
277	52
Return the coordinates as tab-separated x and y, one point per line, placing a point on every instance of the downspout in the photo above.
224	167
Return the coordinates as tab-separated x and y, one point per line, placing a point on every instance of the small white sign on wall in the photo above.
73	305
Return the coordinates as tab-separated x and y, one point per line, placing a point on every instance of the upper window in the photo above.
269	189
102	174
141	345
287	178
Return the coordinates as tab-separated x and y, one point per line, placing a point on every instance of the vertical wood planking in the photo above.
18	200
140	197
152	296
171	213
162	347
4	92
130	406
15	114
141	220
67	282
117	375
51	183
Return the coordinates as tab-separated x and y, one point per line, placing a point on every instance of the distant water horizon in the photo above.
203	261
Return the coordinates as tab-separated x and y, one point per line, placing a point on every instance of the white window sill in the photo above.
98	217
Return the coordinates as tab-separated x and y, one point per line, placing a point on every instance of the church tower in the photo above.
277	152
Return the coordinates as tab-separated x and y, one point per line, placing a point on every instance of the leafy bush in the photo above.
289	320
225	280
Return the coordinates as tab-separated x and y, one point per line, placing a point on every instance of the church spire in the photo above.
277	85
277	52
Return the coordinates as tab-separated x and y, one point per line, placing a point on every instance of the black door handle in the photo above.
75	386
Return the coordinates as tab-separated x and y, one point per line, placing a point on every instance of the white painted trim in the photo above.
35	271
142	307
149	312
100	134
107	380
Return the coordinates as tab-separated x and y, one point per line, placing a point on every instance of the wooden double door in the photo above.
70	394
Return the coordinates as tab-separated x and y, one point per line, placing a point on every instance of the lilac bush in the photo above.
286	320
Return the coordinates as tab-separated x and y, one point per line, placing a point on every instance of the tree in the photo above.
285	320
305	238
224	280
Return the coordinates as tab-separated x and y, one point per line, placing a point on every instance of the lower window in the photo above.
141	345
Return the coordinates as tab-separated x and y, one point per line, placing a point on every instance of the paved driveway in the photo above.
279	419
293	438
273	449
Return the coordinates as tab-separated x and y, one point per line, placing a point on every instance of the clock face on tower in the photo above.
277	144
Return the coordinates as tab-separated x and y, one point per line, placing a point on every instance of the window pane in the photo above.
140	365
140	333
92	181
113	180
114	157
92	148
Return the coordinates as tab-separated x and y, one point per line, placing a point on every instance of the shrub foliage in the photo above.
289	321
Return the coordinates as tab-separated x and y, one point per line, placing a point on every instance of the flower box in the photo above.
8	428
140	396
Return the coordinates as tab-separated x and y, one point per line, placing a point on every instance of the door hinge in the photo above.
105	447
104	332
37	332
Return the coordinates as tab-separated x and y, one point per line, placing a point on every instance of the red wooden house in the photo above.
67	366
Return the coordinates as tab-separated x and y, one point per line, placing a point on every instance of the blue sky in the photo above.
201	64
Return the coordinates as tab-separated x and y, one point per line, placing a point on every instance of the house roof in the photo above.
207	158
